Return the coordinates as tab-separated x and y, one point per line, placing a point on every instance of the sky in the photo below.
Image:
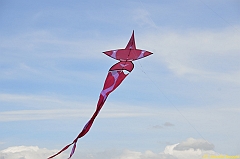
181	102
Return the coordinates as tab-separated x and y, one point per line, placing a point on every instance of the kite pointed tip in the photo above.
131	44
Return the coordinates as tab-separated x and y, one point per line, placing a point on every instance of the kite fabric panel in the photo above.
116	74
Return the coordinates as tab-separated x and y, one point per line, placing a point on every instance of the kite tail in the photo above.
73	149
65	148
113	80
81	134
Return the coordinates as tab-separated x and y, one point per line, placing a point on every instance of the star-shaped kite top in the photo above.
130	53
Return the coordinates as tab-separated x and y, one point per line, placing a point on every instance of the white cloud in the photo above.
39	101
186	154
20	115
50	107
191	148
197	54
28	152
39	114
195	144
232	110
170	152
142	17
42	44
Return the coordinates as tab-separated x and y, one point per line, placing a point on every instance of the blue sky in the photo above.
52	70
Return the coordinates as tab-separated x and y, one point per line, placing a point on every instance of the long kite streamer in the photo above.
116	74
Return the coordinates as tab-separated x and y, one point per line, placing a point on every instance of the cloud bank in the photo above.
191	148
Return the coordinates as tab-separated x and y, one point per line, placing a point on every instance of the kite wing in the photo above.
127	55
116	74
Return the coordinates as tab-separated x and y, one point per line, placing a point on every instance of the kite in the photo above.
116	74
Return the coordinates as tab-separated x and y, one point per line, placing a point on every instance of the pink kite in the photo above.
116	75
